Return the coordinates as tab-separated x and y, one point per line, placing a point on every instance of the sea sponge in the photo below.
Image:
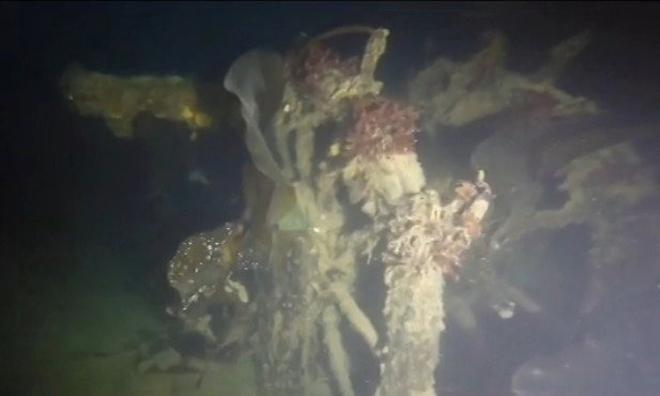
119	100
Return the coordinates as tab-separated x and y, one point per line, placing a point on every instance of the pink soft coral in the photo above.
319	63
382	127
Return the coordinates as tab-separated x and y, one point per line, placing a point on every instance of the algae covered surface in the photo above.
333	200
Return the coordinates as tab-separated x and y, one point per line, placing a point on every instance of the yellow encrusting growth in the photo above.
119	100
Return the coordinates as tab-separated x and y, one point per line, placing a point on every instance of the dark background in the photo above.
52	160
